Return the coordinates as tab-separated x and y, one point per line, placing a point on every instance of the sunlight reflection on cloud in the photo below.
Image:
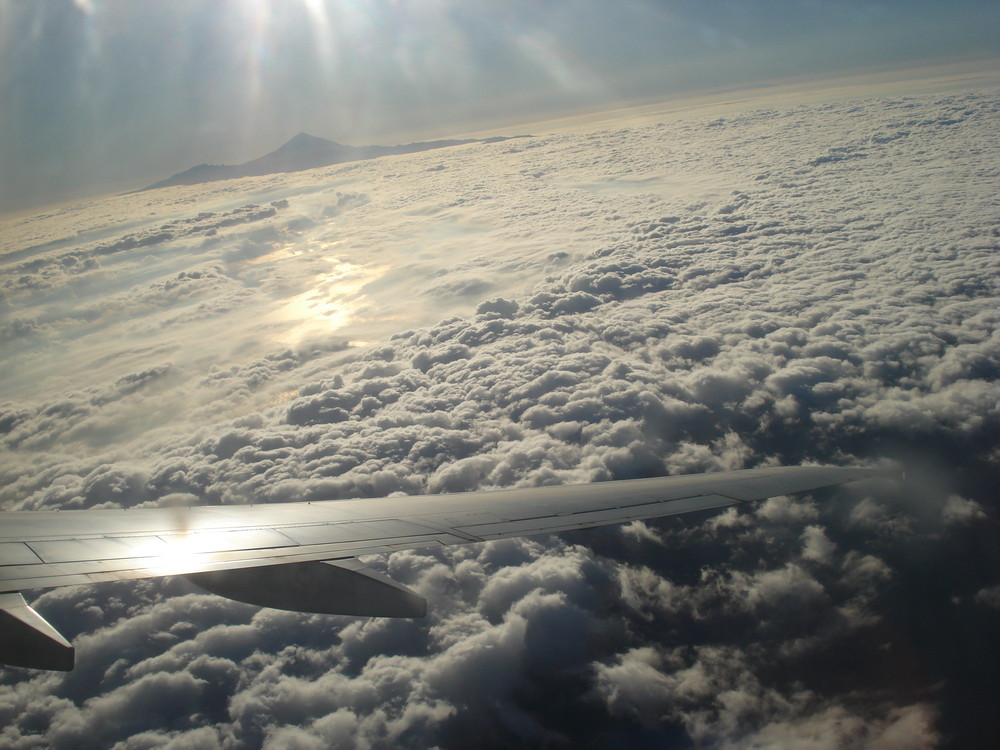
332	302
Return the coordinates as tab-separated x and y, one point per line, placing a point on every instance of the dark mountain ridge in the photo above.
303	152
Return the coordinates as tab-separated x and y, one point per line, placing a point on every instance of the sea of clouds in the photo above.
774	286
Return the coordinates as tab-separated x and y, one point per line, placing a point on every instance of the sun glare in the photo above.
176	556
333	301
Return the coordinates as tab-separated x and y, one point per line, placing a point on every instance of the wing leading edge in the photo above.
301	556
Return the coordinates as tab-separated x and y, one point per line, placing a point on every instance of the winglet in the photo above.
27	639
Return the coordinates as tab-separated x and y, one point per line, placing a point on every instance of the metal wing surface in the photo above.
300	556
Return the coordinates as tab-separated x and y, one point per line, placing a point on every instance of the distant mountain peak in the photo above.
302	152
304	139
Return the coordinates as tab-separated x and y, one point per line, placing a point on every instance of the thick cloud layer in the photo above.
810	284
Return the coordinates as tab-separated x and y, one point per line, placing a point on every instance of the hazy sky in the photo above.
110	94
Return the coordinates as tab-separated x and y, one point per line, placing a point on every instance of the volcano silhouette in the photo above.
302	152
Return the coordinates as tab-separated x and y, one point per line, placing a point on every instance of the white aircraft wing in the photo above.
301	556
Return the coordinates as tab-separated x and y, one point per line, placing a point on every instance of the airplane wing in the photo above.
302	556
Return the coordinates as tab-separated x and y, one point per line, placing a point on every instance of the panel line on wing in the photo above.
18	553
24	577
556	523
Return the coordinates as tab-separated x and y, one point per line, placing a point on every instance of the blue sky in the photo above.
110	94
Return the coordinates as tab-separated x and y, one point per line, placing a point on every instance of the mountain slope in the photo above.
302	152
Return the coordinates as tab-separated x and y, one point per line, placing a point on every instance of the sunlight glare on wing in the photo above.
177	556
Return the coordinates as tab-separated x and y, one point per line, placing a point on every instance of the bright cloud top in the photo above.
789	284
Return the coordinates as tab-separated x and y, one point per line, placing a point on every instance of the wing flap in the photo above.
178	559
17	553
156	547
111	548
355	532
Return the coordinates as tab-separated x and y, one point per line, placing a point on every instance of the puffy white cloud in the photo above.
816	545
961	510
805	284
989	597
735	710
